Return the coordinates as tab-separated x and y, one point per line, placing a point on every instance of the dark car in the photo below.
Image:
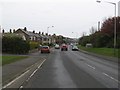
64	47
75	48
45	49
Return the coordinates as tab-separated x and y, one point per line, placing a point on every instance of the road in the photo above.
71	69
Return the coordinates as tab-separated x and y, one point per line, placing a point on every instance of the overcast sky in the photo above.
66	16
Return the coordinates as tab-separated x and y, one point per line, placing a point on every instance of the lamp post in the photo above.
115	36
76	35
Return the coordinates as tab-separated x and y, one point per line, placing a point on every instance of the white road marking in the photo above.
27	79
16	79
37	68
21	86
111	77
41	63
33	72
91	66
23	75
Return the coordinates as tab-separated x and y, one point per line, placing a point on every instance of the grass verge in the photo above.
102	51
11	59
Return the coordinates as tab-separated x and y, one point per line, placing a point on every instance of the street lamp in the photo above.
48	29
76	36
115	36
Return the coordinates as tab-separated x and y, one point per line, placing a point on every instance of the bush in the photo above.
33	45
14	45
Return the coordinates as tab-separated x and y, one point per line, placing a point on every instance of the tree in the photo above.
104	37
84	40
108	28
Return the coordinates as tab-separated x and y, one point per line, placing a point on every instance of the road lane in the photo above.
69	69
95	69
77	70
102	65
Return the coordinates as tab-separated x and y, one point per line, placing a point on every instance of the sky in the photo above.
70	18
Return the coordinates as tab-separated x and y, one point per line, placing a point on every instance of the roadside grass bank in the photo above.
10	59
102	51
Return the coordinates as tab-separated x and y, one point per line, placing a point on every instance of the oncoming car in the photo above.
75	48
57	46
45	49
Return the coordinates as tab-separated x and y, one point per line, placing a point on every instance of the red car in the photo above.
45	49
64	47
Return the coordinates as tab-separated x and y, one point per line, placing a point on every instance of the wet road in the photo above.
73	69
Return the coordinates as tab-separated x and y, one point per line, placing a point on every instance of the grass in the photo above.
101	51
11	59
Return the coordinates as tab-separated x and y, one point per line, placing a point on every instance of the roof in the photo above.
31	33
12	34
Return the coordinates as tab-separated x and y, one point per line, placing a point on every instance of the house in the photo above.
30	36
37	37
45	38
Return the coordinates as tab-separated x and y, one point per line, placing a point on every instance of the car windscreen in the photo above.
75	47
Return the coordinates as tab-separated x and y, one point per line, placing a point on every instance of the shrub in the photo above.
33	45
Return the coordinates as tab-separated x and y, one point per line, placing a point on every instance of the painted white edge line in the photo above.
21	86
37	69
16	79
34	72
23	75
41	63
111	77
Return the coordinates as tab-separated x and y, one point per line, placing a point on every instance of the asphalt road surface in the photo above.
74	69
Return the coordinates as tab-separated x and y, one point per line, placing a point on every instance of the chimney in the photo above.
3	31
42	33
13	30
25	29
10	30
46	34
33	31
39	32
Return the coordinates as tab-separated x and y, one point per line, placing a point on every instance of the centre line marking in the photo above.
111	77
91	66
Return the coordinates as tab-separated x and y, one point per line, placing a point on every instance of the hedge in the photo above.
15	45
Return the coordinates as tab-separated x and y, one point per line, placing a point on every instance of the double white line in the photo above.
23	75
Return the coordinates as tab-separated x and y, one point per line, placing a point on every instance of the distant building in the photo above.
119	8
